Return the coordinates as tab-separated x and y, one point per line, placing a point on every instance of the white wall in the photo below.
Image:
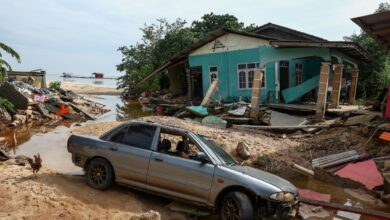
230	42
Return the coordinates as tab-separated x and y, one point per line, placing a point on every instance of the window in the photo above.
140	136
298	73
213	71
118	137
245	75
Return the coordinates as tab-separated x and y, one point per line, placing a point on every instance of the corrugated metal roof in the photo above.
377	26
350	48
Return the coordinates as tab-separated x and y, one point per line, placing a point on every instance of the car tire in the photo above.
100	174
236	206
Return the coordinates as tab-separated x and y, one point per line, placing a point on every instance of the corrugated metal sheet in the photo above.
377	26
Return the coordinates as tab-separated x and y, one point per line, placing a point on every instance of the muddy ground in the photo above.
57	196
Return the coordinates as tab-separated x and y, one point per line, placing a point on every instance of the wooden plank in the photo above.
82	111
256	94
210	92
362	211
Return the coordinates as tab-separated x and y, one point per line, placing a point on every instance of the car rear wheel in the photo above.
236	206
99	174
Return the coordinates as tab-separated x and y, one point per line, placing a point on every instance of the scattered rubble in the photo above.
39	106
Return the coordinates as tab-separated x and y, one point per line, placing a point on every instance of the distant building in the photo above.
98	75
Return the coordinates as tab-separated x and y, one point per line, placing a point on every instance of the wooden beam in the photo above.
366	212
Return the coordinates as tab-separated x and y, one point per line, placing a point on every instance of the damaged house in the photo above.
297	67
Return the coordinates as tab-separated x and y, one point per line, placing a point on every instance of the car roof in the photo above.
135	121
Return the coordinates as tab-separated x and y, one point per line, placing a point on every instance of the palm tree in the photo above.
3	64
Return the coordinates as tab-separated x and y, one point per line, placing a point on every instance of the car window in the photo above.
177	145
118	137
140	136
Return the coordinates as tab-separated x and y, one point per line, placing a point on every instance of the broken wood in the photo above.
288	127
362	211
76	108
210	92
303	170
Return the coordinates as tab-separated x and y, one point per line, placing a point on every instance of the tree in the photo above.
375	74
3	64
162	40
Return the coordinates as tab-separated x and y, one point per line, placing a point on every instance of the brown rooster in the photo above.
36	164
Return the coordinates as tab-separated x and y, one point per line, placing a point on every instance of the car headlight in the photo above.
282	197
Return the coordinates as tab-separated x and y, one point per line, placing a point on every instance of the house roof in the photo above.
182	56
377	26
350	48
284	33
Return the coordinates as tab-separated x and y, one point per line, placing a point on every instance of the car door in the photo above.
180	177
130	157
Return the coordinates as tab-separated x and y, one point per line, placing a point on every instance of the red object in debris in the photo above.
364	172
385	136
63	109
313	195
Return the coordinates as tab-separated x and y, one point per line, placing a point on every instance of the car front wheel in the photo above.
99	174
236	206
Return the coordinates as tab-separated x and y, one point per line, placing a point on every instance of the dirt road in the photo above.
56	196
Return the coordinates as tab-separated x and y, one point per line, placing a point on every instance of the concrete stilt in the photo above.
353	87
336	85
322	89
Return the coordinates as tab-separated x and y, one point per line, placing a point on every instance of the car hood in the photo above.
277	181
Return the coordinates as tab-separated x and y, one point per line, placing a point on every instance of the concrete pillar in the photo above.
256	93
336	85
353	87
322	89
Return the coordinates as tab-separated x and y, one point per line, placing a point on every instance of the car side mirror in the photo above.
202	157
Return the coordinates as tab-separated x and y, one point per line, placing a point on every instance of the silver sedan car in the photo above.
182	165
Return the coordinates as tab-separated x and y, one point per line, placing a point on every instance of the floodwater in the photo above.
50	142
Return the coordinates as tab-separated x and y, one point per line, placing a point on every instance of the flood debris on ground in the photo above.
23	103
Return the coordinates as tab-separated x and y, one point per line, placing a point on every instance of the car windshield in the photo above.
222	155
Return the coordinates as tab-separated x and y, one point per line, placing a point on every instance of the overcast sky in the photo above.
81	36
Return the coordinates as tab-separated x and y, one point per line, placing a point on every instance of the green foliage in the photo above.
161	41
55	85
6	104
373	75
3	64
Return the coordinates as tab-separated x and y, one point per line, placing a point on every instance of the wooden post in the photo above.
256	93
353	87
210	93
338	75
322	89
189	82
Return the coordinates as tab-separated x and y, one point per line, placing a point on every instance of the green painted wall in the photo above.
267	56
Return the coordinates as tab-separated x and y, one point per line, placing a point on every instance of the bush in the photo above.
6	104
55	85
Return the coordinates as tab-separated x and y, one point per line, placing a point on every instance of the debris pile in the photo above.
22	103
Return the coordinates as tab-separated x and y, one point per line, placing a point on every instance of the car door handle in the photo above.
158	159
113	149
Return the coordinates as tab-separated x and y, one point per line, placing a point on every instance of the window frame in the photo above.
246	71
213	72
